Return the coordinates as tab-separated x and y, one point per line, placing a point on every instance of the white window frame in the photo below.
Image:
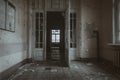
73	20
116	21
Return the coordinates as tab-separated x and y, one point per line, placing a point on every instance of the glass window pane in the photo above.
37	36
41	14
71	45
57	38
41	45
73	30
37	15
41	24
119	36
36	45
37	23
41	36
53	38
57	32
53	31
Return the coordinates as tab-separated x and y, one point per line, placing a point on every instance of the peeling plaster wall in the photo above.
106	30
96	15
13	45
90	21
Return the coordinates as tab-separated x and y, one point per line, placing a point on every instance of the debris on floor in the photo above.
89	64
26	65
22	67
47	68
106	78
37	64
53	70
76	67
20	72
32	70
15	75
101	74
79	71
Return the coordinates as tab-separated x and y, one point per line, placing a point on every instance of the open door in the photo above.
55	37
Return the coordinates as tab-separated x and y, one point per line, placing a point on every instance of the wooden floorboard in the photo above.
77	71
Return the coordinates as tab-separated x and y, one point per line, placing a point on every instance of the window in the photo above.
39	30
2	14
7	15
55	36
72	30
116	21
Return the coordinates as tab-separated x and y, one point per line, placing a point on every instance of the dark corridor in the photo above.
56	36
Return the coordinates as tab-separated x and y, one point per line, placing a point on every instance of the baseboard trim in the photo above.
87	59
7	73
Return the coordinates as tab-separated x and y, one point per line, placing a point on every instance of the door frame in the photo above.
31	33
63	30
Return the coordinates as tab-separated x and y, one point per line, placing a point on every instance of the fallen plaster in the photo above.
89	64
21	72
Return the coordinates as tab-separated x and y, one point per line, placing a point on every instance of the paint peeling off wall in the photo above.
90	19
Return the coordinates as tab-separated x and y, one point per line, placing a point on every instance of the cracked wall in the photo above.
90	22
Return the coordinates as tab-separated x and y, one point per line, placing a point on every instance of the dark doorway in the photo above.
56	36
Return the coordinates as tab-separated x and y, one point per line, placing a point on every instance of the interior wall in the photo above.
90	21
13	45
106	30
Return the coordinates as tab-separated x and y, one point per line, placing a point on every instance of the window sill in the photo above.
114	44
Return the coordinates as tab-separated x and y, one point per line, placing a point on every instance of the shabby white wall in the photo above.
96	14
13	45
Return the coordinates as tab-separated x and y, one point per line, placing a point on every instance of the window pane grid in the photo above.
55	36
39	30
72	30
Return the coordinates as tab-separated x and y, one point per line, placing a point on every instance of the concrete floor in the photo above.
77	71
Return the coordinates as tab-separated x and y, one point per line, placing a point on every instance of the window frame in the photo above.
39	29
116	20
